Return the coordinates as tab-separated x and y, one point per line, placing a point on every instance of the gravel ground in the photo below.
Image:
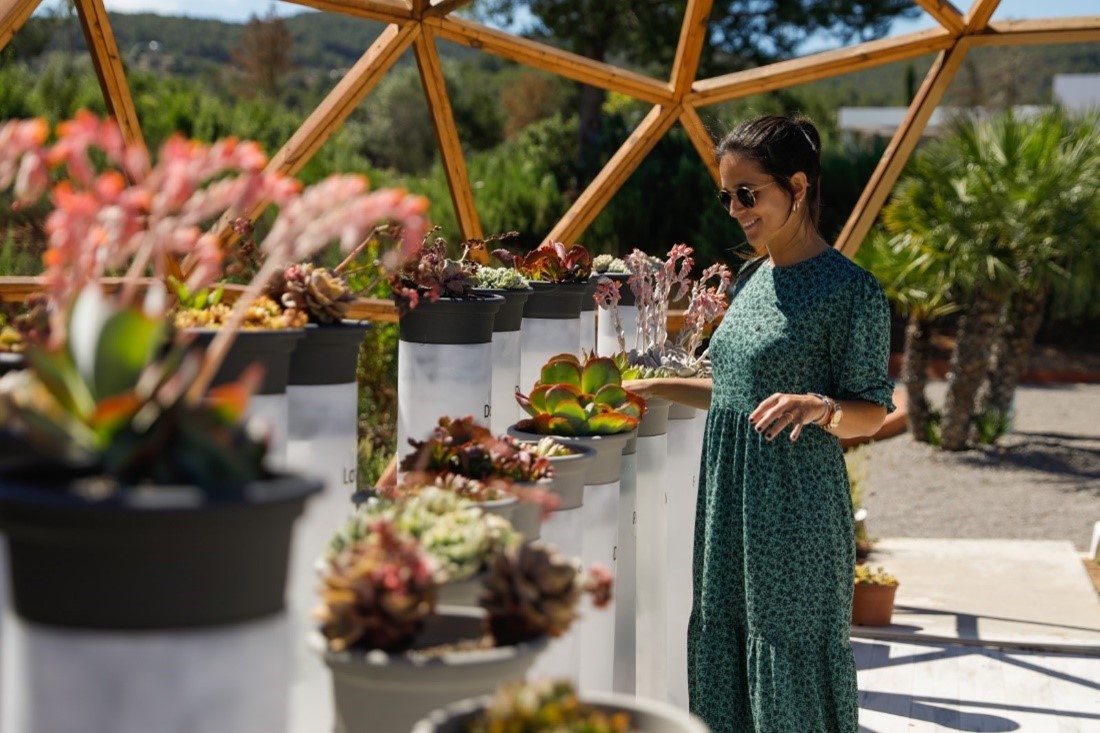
1041	481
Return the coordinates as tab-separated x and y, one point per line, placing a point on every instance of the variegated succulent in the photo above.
377	592
572	398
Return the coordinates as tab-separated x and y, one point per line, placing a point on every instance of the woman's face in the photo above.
773	204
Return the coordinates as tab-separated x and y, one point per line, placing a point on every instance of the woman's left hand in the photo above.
780	411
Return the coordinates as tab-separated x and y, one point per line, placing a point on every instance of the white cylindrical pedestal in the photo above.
588	339
626	573
505	410
440	379
651	531
596	627
322	433
542	338
273	410
682	486
564	530
608	337
230	679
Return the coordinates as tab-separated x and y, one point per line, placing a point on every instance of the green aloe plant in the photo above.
572	398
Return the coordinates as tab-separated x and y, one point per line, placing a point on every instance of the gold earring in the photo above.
796	206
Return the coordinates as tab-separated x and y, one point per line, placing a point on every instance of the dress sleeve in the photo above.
862	368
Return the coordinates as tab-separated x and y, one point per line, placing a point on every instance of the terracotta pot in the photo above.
873	605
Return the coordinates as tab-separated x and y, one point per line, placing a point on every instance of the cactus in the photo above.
377	592
313	290
533	591
575	399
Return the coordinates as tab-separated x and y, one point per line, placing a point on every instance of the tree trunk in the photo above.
589	127
914	375
1021	318
969	363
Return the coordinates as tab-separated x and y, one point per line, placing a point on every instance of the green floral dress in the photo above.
768	644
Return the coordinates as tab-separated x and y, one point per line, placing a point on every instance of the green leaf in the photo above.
538	398
611	394
560	372
599	372
127	343
58	374
611	423
561	401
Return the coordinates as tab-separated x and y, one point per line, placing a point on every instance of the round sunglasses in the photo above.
745	196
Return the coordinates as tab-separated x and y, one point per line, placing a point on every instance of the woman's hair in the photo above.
781	146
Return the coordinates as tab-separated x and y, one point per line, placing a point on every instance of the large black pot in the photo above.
83	554
626	294
10	362
510	315
557	300
451	321
328	354
272	347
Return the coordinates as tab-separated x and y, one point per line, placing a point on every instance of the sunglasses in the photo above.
745	196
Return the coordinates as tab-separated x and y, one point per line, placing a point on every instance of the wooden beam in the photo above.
693	34
609	180
700	137
108	67
818	66
333	110
440	8
980	13
446	135
945	14
901	147
555	60
1040	31
387	11
13	14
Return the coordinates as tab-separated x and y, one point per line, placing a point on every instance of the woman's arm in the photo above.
780	411
685	391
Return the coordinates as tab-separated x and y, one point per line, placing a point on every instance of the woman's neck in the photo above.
801	244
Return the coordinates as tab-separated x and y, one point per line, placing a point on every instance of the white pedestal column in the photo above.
505	410
440	379
542	338
273	410
322	433
588	341
651	532
626	574
682	486
608	338
229	679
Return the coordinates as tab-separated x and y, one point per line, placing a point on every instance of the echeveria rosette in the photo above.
461	446
572	398
552	262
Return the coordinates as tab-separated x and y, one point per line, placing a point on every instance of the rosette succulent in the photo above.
377	592
551	262
545	706
532	591
465	448
609	264
316	291
572	398
429	273
501	278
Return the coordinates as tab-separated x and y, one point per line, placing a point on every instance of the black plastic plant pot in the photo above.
451	321
587	302
510	315
327	354
626	295
10	362
271	347
146	558
557	300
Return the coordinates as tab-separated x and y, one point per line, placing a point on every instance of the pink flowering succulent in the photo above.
111	376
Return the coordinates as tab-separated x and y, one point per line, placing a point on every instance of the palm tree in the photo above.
1057	217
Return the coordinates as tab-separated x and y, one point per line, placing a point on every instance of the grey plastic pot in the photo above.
655	421
604	468
646	716
681	412
376	692
570	472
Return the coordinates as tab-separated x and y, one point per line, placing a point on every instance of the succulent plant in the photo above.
453	530
532	591
429	273
316	291
571	398
866	576
377	592
604	264
263	313
23	323
460	446
550	448
501	278
545	706
551	262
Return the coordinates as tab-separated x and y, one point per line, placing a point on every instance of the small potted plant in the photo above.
545	706
139	464
873	602
20	324
463	448
395	656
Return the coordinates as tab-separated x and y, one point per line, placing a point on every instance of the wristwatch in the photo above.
833	412
838	413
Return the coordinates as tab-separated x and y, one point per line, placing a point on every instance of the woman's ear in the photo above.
800	184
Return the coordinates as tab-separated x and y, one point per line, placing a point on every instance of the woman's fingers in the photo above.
778	412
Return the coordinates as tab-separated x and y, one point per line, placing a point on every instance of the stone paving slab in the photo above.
1019	593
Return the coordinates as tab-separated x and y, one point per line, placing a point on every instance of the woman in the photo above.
799	362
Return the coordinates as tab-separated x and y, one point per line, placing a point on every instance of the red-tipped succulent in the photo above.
572	398
552	262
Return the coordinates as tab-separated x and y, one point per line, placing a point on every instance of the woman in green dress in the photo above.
798	363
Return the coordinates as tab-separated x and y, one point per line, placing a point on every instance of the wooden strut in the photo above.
980	13
387	12
13	14
108	67
701	138
945	14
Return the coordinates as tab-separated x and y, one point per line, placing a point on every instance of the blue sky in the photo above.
241	10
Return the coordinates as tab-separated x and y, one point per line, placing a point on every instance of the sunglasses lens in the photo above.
725	199
746	197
